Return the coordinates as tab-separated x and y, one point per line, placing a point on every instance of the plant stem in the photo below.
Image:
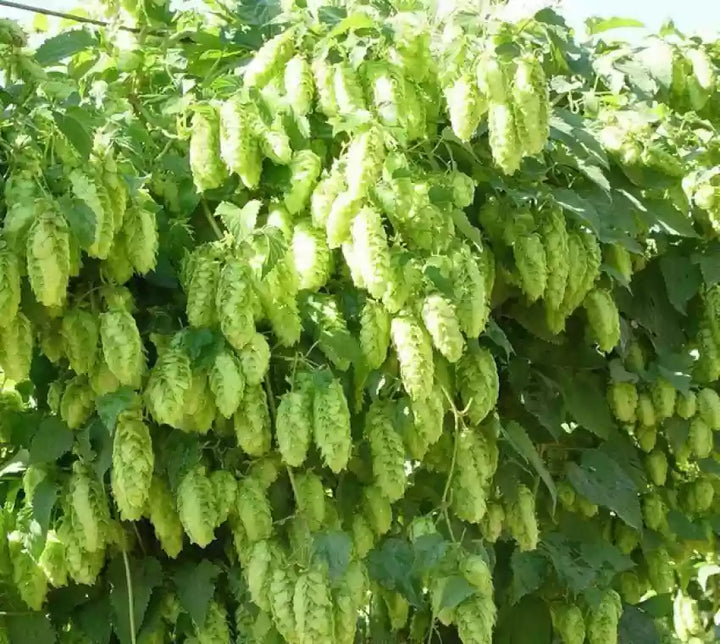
131	602
211	219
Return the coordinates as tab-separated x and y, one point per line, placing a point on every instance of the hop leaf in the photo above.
252	422
197	507
132	465
48	257
206	165
122	347
164	517
294	425
331	425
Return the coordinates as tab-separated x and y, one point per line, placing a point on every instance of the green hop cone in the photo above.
521	519
441	322
255	359
253	508
141	233
239	142
202	284
16	348
465	107
48	257
623	400
170	380
235	302
52	560
531	264
603	620
364	162
280	594
299	84
163	515
700	438
530	96
122	347
88	508
374	333
663	397
77	403
478	382
225	487
27	575
371	251
305	168
313	606
387	450
708	407
197	507
252	422
311	256
294	425
9	284
686	404
331	424
269	60
80	331
603	318
227	382
414	352
132	465
568	623
207	168
656	466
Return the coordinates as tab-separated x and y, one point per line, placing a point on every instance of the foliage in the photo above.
366	322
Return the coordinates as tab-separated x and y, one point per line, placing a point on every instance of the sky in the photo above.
689	15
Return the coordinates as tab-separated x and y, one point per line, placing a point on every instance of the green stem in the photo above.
131	602
211	219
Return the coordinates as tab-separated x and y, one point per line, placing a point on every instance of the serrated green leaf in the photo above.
145	575
455	591
195	586
598	25
584	396
603	482
55	49
637	627
76	133
529	571
334	549
240	222
95	620
682	278
521	443
391	565
111	405
51	440
80	218
43	502
498	337
30	628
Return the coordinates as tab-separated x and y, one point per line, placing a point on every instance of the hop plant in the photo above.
475	619
602	623
645	410
27	575
708	407
239	142
656	466
347	600
163	515
299	84
521	519
530	97
414	353
653	511
252	422
227	382
364	162
80	332
568	623
202	285
623	400
441	321
313	606
281	592
253	508
465	107
275	142
311	256
700	438
132	465
478	382
660	570
472	290
207	168
294	425
16	348
469	498
324	77
374	333
310	498
52	560
97	199
197	507
326	191
491	524
363	537
170	380
77	403
339	221
387	451
234	304
531	263
88	508
277	295
603	318
348	91
215	628
686	404
305	168
258	571
663	398
141	234
255	359
122	347
555	240
9	284
48	256
269	60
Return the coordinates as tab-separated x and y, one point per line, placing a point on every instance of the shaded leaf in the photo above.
521	443
637	627
44	501
391	565
30	628
584	396
240	222
110	406
51	441
529	571
598	25
95	619
456	590
334	549
195	587
682	279
604	482
75	132
145	575
66	44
